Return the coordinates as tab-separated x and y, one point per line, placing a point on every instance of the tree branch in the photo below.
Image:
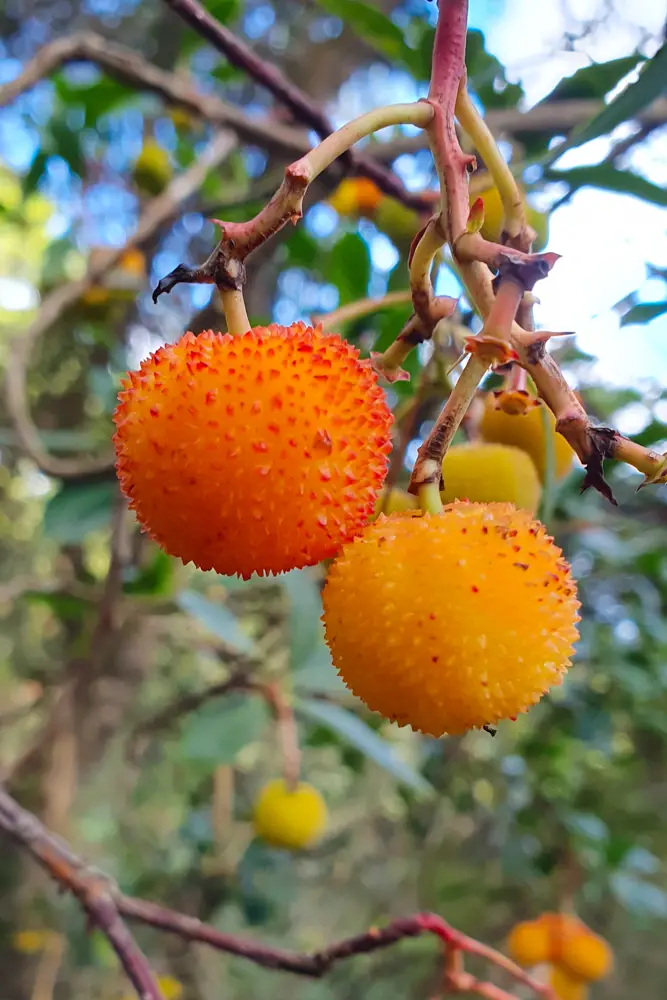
291	96
107	909
157	213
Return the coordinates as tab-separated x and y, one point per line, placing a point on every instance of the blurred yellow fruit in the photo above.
487	472
152	168
356	196
529	943
584	954
293	819
170	988
525	430
32	942
397	501
494	218
399	223
566	986
181	119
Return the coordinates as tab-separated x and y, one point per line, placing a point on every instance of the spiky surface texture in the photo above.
452	621
258	453
290	819
525	430
485	473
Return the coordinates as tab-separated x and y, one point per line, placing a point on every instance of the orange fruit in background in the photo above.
253	454
452	621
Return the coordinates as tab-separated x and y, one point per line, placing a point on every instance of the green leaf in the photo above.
65	142
487	75
219	729
215	618
36	172
305	628
96	99
376	29
638	896
355	732
155	578
77	509
610	178
626	105
350	267
644	312
593	81
318	674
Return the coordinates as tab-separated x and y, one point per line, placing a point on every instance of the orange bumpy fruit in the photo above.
292	819
451	621
487	472
516	419
584	954
567	986
253	454
529	943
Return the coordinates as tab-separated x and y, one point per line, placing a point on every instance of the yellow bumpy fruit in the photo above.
152	168
584	954
494	218
490	472
397	502
567	986
452	621
529	943
293	819
522	426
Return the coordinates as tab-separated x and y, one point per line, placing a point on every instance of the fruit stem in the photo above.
236	316
517	379
508	189
287	733
430	500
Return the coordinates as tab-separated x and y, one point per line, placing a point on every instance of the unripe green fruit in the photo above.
484	473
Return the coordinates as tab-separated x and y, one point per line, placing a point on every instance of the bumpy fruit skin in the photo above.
529	943
490	472
291	819
584	954
524	429
567	986
356	196
453	621
152	169
397	502
253	454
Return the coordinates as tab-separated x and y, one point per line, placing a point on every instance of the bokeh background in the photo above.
104	638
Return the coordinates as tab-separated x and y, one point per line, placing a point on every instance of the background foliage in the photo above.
104	638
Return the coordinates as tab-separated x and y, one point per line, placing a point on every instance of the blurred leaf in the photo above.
65	142
220	728
487	75
155	578
36	172
318	674
610	178
96	99
349	267
351	729
305	628
644	312
593	81
376	29
638	896
77	509
626	105
215	618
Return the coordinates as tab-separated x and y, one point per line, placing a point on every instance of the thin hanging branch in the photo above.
108	909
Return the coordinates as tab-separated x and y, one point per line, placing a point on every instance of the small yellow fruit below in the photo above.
452	621
290	819
529	943
566	986
584	954
152	168
397	502
525	430
488	472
